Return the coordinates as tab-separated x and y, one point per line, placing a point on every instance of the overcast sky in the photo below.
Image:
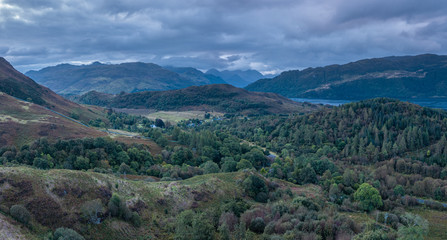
266	35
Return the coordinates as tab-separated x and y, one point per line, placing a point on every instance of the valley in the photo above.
218	162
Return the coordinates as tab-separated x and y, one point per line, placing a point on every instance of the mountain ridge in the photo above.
421	76
114	78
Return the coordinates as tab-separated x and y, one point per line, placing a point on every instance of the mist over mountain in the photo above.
422	76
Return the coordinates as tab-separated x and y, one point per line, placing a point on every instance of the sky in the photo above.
267	35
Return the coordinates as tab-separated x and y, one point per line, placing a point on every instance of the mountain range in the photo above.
133	77
422	76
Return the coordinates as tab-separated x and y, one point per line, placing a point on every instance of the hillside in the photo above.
422	76
22	122
115	78
20	86
219	98
237	78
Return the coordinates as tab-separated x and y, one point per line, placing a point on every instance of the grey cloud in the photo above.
265	34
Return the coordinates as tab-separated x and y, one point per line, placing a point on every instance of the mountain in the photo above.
29	111
217	97
237	78
115	78
196	75
422	76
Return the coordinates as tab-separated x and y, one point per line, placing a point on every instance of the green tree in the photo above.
244	164
210	167
368	197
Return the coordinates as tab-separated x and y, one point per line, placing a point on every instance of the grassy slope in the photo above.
22	122
28	186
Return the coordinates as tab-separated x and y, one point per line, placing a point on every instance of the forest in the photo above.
379	157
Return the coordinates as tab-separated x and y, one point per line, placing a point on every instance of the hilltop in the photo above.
422	76
116	78
218	97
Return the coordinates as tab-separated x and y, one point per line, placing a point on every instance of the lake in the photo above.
431	103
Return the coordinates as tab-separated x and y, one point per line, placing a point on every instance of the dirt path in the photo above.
9	231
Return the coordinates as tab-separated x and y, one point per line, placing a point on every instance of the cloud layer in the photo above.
265	35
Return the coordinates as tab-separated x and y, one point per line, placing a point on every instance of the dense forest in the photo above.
377	156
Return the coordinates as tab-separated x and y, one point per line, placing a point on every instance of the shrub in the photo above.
257	225
20	213
66	234
136	219
91	211
254	185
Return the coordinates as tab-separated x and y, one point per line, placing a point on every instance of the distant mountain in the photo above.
237	78
115	78
196	75
422	76
218	97
25	121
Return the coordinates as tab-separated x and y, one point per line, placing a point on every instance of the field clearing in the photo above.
177	116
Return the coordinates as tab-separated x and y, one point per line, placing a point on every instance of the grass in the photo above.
437	222
177	116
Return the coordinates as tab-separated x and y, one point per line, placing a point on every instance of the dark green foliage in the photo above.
84	154
66	234
254	185
159	123
20	213
257	225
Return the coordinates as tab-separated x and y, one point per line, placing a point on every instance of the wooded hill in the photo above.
422	76
218	97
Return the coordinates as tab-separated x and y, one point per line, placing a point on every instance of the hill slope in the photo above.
115	78
422	76
23	122
218	97
38	116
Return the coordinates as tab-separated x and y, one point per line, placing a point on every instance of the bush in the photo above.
257	225
66	234
20	213
136	219
91	211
